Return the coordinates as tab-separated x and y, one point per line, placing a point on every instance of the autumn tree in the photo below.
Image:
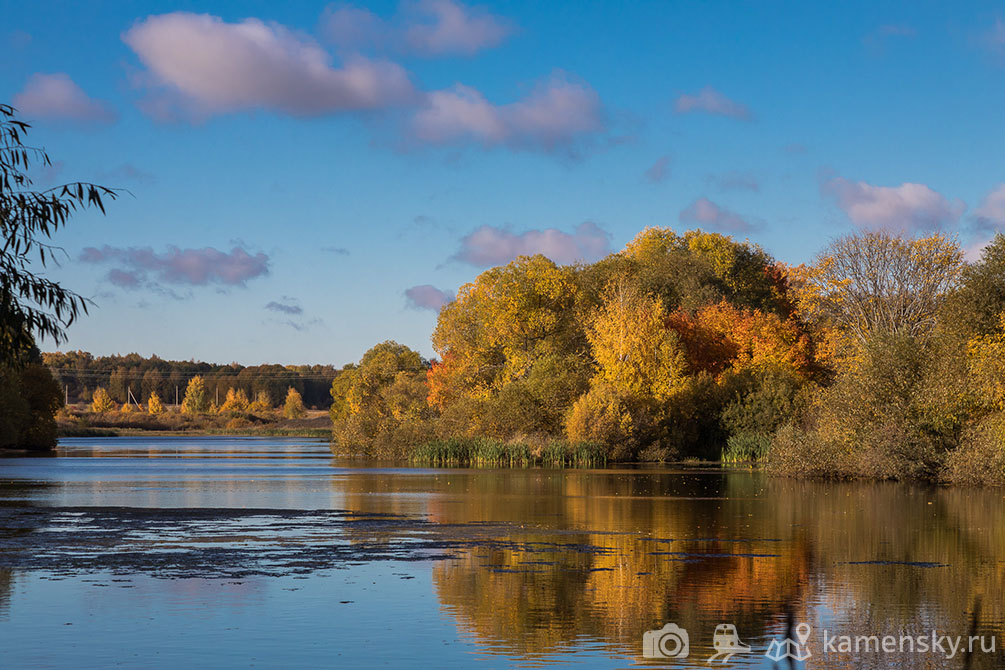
293	407
196	400
154	404
635	350
699	268
380	404
876	282
101	402
262	402
236	401
504	320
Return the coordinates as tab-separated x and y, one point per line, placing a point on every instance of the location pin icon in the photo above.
803	633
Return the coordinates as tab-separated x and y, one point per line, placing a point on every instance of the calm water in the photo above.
230	552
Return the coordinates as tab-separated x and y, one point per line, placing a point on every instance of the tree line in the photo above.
882	358
134	378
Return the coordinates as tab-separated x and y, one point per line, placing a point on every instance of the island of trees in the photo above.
885	359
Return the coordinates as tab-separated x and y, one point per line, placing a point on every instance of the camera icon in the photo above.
670	641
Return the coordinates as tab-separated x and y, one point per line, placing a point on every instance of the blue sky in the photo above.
306	179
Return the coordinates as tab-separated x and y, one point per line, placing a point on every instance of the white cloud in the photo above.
735	181
990	216
428	28
56	96
710	101
906	208
451	27
706	213
201	65
557	113
490	245
659	170
427	296
194	267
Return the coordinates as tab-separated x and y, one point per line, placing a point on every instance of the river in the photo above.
220	552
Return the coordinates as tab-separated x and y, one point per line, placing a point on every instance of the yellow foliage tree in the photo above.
236	401
154	404
101	402
986	361
127	408
293	408
262	403
504	321
636	352
196	401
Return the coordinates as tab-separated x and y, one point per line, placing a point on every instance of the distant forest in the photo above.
79	373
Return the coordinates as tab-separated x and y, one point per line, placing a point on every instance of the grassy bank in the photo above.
79	422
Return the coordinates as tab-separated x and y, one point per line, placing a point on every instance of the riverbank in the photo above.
79	422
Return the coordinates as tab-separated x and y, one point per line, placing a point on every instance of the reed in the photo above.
746	448
481	451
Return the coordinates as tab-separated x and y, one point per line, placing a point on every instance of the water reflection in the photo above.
551	566
606	555
6	585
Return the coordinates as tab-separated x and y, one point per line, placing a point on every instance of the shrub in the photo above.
238	423
607	416
29	397
873	421
980	458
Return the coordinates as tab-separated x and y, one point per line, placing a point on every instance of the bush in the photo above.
238	423
873	421
980	458
606	416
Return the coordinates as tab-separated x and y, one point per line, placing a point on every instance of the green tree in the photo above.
380	405
196	400
30	302
29	397
101	402
293	406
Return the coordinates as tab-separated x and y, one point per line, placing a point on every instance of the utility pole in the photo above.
66	395
176	395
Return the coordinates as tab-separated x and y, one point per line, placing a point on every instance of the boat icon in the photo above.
726	643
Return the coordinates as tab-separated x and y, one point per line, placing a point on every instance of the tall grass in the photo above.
482	451
746	448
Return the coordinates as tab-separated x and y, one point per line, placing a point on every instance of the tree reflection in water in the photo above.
607	555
